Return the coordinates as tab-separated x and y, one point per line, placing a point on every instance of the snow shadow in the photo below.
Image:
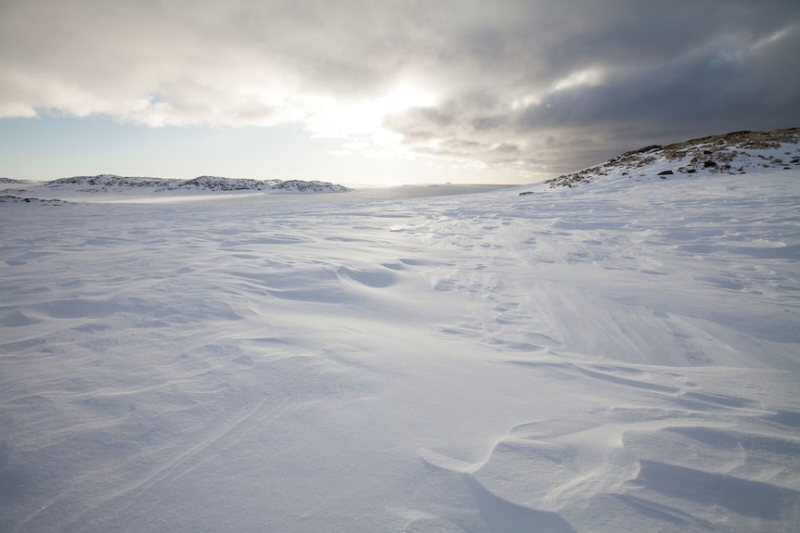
503	516
747	498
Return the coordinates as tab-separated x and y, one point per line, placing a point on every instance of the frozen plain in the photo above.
619	356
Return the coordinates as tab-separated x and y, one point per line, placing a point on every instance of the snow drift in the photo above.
618	356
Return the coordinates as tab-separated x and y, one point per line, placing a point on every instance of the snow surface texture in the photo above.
614	357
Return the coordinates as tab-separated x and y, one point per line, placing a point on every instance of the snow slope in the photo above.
617	356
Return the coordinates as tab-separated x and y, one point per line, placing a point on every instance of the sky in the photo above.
382	92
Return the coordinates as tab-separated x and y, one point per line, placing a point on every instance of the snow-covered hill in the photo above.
732	153
617	356
214	183
109	183
11	199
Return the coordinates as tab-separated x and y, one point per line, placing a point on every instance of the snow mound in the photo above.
732	153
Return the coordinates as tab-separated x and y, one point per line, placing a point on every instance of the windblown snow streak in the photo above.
613	357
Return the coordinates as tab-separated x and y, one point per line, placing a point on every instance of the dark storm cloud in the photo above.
645	73
534	85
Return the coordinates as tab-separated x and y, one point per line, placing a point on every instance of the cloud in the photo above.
539	86
624	80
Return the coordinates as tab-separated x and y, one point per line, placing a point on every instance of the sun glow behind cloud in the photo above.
358	122
329	117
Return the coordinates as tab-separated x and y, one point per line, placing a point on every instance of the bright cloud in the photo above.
588	77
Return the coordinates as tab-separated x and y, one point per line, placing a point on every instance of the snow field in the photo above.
605	358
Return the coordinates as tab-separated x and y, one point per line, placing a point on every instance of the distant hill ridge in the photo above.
730	153
105	182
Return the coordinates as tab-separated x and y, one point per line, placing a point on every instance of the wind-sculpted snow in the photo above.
595	359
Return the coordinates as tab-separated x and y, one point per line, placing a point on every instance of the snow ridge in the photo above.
731	153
